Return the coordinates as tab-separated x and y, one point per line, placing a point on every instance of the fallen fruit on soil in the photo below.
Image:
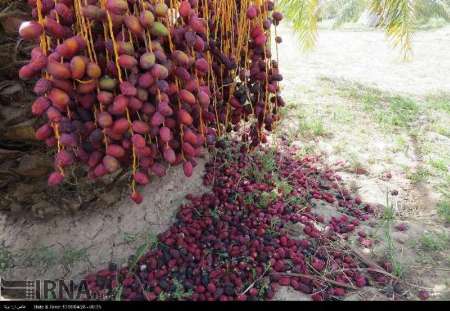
244	239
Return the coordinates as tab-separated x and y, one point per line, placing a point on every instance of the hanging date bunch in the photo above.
144	85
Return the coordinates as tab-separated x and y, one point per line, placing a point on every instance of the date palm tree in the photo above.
397	17
343	11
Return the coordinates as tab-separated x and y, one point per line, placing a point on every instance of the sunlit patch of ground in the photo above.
388	122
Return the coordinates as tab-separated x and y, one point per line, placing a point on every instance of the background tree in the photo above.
399	18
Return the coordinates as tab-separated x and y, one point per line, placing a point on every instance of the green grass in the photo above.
268	161
401	112
265	199
179	292
401	144
44	256
389	249
163	296
443	186
261	199
439	102
441	129
387	110
434	242
388	214
441	175
306	150
6	259
295	201
440	165
309	123
420	175
354	161
249	198
274	222
129	237
264	169
342	114
312	127
388	218
150	242
283	187
118	293
391	111
438	110
411	122
369	98
71	256
443	209
264	164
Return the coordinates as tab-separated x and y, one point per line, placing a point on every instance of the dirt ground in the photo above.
69	246
386	122
336	101
370	59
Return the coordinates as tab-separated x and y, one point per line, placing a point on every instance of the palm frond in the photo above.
304	16
397	17
426	9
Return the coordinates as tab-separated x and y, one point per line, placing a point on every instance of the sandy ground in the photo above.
368	57
322	118
68	247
